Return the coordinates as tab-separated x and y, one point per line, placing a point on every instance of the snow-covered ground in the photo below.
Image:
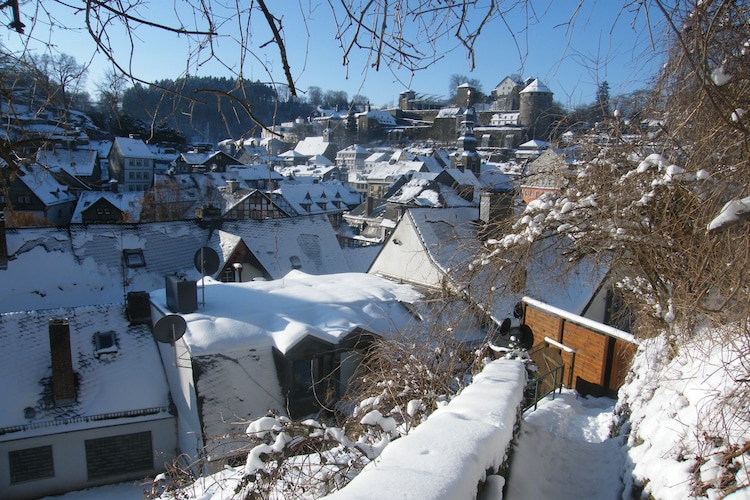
564	449
563	452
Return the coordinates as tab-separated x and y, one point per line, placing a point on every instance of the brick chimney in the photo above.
63	378
3	243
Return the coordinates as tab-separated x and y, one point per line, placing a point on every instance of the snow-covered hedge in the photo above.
448	455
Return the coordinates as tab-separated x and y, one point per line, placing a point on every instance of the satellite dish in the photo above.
169	328
505	327
206	261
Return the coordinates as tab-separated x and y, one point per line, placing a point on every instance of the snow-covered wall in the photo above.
449	454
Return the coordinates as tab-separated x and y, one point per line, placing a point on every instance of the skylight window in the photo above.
134	257
105	342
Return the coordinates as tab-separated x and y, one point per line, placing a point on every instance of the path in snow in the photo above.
564	451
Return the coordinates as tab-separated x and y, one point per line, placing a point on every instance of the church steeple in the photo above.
466	156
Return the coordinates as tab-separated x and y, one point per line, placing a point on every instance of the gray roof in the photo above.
274	242
449	236
44	185
128	378
134	148
84	265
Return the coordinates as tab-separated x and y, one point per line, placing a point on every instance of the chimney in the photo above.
63	378
113	186
232	185
369	206
3	243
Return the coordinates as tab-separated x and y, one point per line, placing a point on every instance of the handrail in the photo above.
556	374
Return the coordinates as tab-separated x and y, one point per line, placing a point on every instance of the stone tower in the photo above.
536	103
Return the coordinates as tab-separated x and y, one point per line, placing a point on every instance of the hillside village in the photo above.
300	168
156	300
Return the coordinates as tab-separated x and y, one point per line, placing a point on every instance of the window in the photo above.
31	464
105	342
133	257
116	455
131	175
24	199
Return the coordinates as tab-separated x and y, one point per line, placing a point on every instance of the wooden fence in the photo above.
596	356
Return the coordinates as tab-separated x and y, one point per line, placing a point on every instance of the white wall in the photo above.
69	457
403	256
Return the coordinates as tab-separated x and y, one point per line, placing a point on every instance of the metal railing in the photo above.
533	393
88	418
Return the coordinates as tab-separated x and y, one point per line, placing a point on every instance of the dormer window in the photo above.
133	257
105	342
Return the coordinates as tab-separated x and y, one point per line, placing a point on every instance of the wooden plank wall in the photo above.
601	361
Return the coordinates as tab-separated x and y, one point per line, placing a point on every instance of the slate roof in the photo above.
133	148
274	242
230	338
386	171
311	146
83	264
76	162
44	185
125	202
129	379
450	237
303	194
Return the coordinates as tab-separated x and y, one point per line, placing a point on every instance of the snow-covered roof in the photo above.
463	177
317	198
449	236
256	172
536	86
83	265
280	313
494	179
383	118
292	153
535	144
376	157
449	112
319	160
125	202
280	245
133	148
127	378
355	149
386	171
421	192
311	146
44	185
76	162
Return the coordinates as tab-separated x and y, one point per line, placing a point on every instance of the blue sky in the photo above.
604	43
